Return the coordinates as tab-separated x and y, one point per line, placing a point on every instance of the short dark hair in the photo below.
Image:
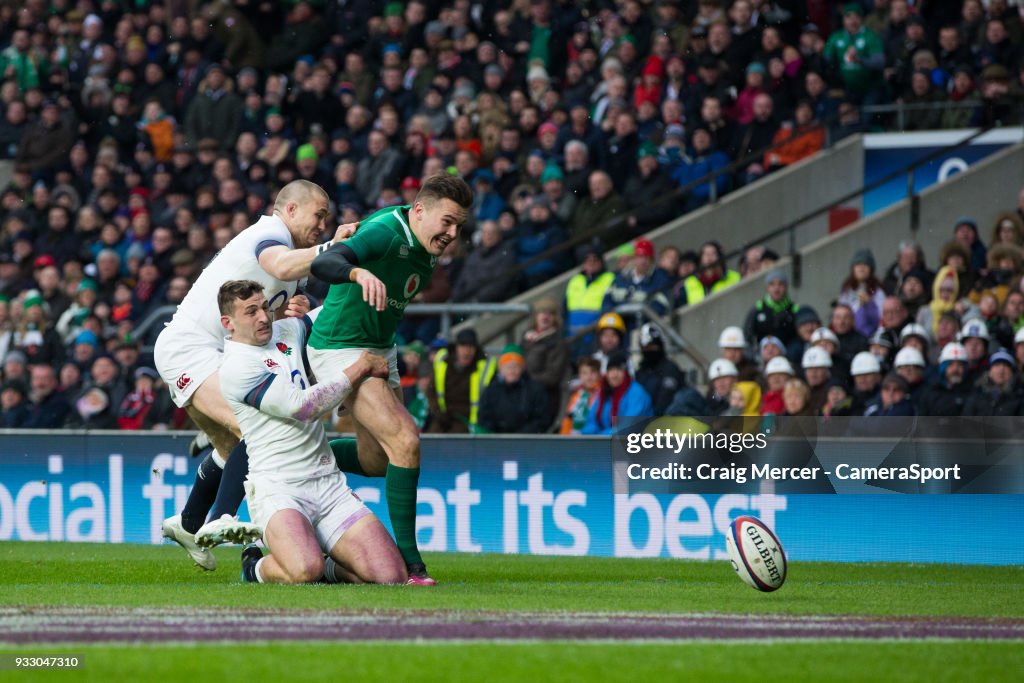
235	290
445	186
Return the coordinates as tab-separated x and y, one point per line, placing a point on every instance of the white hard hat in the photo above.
915	330
954	351
732	338
974	328
816	357
824	334
1019	337
778	365
722	368
908	355
650	333
864	363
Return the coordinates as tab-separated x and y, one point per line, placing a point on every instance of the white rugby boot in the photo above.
175	532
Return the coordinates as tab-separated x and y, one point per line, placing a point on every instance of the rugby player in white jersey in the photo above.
277	252
296	492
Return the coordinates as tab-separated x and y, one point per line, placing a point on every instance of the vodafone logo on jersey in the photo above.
411	285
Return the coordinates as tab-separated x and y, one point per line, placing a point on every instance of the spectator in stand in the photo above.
965	232
945	288
546	352
49	406
711	276
894	400
584	296
688	402
461	373
14	407
914	292
911	366
594	213
486	273
997	393
657	374
856	53
817	369
851	342
796	140
700	161
948	396
611	338
536	236
640	282
975	338
775	313
649	194
515	403
754	138
910	258
582	399
777	373
863	292
619	396
866	374
146	406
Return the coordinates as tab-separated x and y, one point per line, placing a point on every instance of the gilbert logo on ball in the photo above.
756	554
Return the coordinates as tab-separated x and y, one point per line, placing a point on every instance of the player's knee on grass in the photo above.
304	568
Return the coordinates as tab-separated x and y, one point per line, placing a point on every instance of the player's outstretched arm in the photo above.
339	265
290	265
284	399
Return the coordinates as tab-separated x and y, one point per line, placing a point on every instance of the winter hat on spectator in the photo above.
467	337
1002	356
969	222
136	251
618	359
33	298
410	183
774	341
863	256
306	152
646	149
15	385
643	247
484	176
494	69
806	314
853	8
512	353
43	261
552	172
674	130
16	356
87	337
86	284
147	372
776	275
547	127
756	68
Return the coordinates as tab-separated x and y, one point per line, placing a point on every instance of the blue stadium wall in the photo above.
539	495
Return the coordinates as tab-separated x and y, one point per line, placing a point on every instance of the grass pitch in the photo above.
126	576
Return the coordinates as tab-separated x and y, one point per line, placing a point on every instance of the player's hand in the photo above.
369	365
345	231
374	292
298	306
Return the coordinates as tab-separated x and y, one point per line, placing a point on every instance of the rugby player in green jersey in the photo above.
373	276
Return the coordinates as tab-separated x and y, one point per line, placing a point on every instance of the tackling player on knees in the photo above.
373	277
296	492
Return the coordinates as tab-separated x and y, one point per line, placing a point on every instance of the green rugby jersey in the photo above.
385	246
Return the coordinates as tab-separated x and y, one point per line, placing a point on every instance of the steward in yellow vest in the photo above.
461	373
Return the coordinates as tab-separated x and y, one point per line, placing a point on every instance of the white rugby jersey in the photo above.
266	386
239	260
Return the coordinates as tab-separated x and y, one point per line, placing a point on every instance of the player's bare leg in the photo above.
389	444
296	556
365	554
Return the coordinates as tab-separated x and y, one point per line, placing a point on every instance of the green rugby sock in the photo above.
346	452
400	489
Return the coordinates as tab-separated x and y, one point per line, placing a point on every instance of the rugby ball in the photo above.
756	554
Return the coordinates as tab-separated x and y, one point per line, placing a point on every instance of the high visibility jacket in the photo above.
695	288
478	381
583	300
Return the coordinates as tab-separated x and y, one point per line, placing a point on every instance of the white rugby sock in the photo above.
217	460
259	577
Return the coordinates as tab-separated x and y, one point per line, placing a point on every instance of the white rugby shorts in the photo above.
327	502
185	360
330	364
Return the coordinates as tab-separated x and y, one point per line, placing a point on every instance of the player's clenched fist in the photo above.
298	306
374	292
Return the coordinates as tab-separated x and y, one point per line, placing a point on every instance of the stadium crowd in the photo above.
144	136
